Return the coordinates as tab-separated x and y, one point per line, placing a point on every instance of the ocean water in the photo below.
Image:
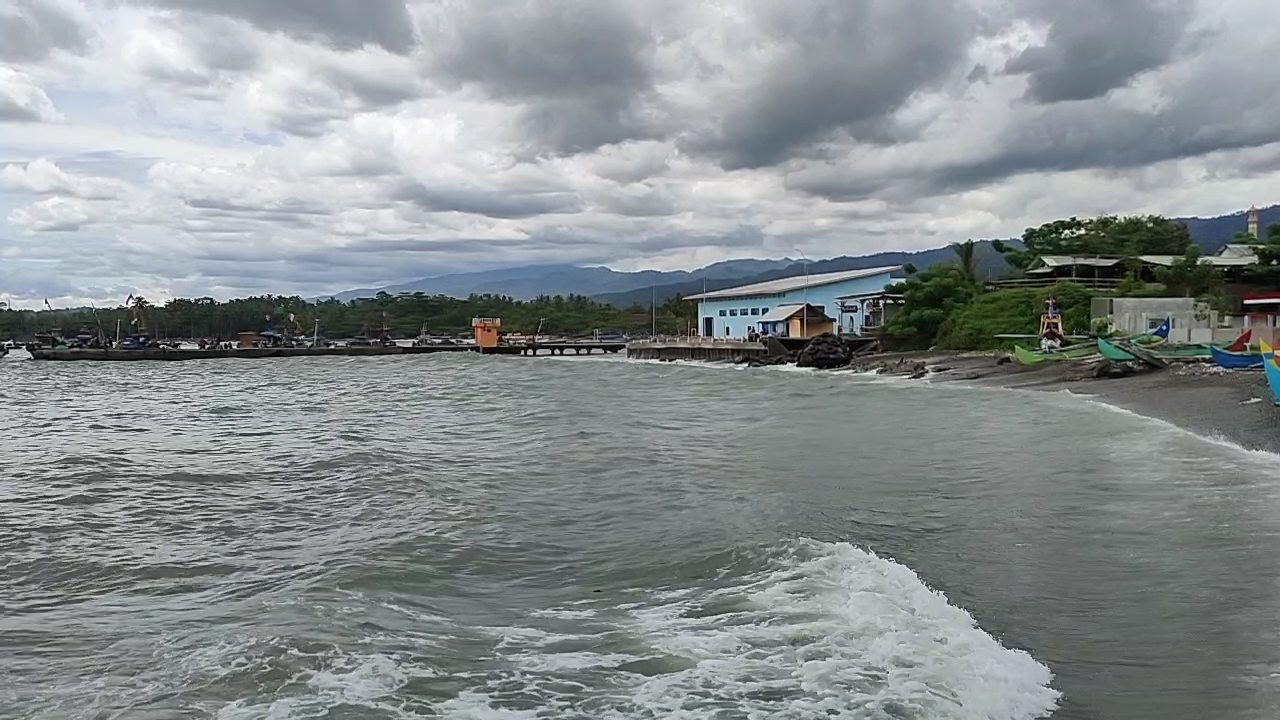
476	537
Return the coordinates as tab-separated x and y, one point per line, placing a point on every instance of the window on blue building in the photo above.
722	313
743	311
755	311
733	312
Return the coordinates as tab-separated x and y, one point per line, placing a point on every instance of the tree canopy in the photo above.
1105	235
405	315
1188	276
930	297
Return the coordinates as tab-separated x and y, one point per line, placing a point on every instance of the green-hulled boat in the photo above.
1168	353
1073	352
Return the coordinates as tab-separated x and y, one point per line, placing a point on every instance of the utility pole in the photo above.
653	310
805	319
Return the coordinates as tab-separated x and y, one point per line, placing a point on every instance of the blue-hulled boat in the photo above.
1235	360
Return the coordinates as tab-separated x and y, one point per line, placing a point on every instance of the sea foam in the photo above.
823	630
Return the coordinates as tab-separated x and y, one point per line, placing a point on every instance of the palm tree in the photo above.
967	253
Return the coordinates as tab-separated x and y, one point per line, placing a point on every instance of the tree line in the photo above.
404	316
947	305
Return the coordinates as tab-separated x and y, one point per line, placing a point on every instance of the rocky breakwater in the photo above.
825	352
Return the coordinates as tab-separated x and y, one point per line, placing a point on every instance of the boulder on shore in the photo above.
824	352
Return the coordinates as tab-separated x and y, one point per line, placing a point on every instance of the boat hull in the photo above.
1113	353
1167	353
1272	370
1073	352
1235	360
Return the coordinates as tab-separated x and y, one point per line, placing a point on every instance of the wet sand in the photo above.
1232	405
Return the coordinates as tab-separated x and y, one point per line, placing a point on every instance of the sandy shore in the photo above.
1235	406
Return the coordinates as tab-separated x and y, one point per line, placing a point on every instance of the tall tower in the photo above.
1253	221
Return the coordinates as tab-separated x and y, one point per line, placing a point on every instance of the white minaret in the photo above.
1253	221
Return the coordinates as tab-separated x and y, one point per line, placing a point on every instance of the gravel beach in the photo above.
1234	406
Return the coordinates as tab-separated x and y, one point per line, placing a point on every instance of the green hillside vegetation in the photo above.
405	315
947	307
975	325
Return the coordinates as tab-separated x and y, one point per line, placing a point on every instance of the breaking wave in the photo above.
825	630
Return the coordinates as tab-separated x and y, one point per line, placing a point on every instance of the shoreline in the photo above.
1234	406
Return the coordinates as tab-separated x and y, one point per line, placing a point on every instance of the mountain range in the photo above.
625	289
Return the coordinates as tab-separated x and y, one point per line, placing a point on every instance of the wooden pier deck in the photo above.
169	355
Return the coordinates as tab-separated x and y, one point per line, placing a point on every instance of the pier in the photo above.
170	355
585	347
696	348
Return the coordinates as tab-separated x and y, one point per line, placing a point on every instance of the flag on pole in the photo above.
46	304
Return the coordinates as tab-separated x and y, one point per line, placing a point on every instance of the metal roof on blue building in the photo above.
787	284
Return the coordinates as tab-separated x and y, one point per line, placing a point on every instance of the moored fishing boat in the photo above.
1235	360
1111	352
1272	370
1073	352
1169	353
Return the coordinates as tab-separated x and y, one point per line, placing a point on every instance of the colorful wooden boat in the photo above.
1272	370
1193	351
1167	353
1241	344
1072	352
1113	353
1235	360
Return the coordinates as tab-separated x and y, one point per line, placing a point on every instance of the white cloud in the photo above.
21	100
235	147
56	214
45	178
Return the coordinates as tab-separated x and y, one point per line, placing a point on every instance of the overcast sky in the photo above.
227	147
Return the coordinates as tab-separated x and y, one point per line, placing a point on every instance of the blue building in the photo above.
733	312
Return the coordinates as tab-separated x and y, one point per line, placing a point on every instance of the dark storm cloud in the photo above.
289	207
344	24
1095	46
847	66
580	67
1097	136
503	204
373	90
222	45
31	29
1077	136
14	111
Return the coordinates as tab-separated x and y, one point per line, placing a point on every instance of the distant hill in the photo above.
625	289
534	280
990	264
1212	233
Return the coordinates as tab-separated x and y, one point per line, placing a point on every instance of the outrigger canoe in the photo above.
1072	352
1272	370
1168	353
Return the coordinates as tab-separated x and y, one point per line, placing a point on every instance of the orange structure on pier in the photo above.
487	331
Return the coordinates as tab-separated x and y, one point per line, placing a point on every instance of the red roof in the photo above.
1260	297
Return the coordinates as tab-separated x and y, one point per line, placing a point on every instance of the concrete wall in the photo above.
735	324
1134	316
